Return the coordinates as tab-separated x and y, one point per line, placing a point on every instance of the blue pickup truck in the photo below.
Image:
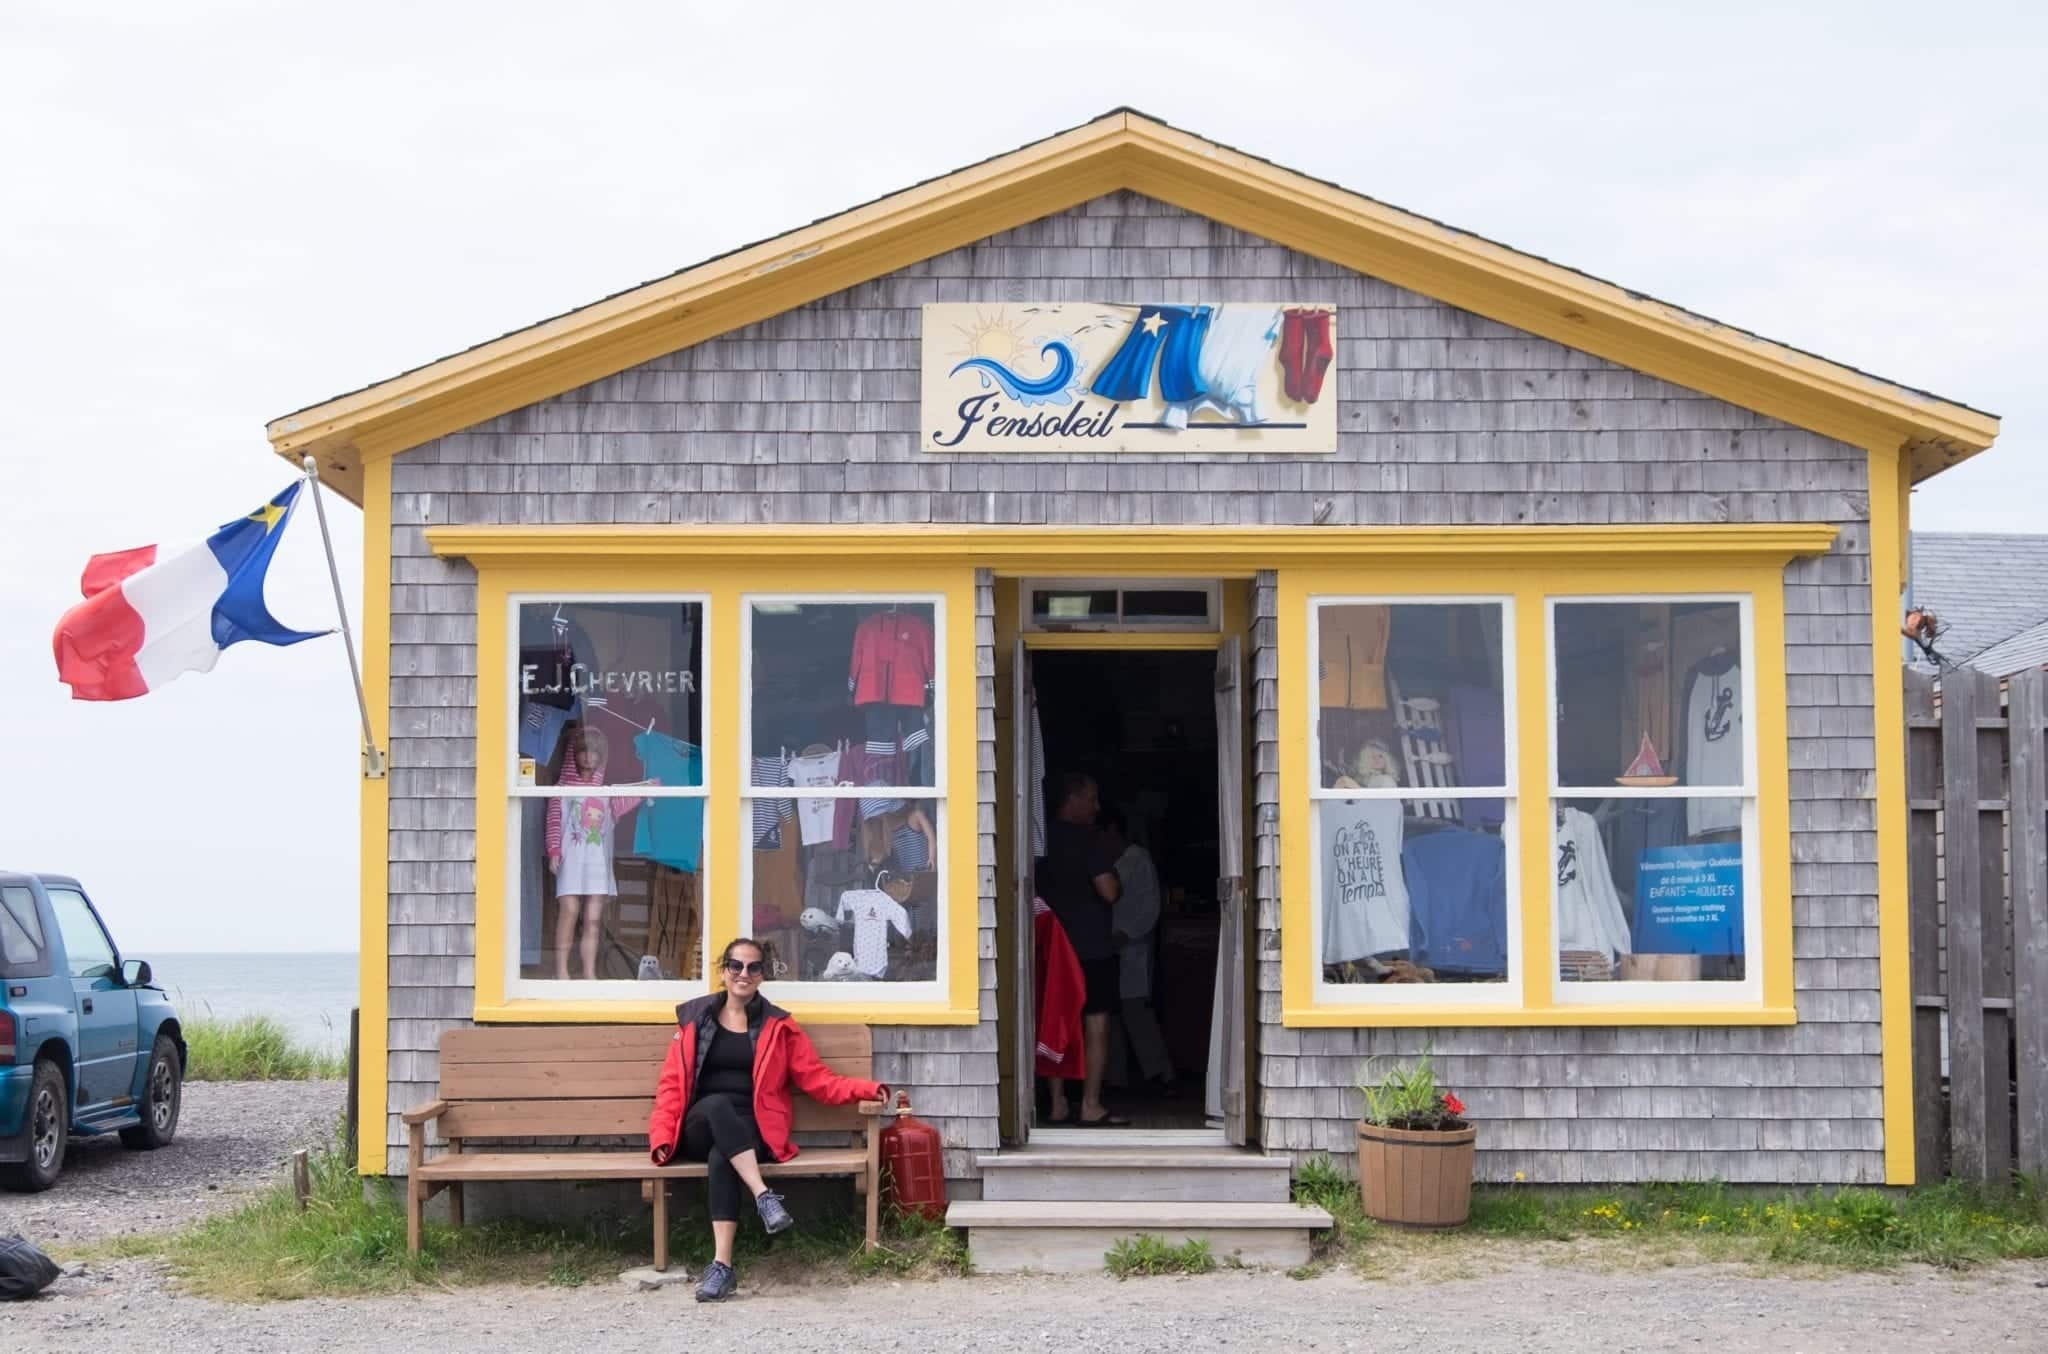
87	1043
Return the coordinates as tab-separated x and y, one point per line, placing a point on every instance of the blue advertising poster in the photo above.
1689	900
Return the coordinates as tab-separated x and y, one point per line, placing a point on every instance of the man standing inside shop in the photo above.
1078	881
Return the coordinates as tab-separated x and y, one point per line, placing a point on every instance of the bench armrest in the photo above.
425	1113
873	1108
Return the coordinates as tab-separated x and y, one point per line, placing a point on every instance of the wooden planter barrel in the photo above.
1416	1179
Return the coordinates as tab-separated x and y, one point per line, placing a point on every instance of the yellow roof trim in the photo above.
1126	150
1160	551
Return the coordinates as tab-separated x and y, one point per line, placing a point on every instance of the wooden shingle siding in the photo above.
1444	418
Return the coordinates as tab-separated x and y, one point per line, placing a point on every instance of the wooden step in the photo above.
1134	1175
1007	1237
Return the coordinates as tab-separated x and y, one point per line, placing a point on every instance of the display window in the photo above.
1413	813
1653	796
844	803
606	756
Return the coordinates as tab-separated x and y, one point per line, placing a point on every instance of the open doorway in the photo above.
1142	724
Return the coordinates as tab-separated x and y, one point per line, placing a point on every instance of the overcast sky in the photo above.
214	213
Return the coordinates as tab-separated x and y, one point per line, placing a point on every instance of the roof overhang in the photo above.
1126	150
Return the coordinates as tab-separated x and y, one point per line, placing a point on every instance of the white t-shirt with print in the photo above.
1589	915
814	816
1713	749
1365	896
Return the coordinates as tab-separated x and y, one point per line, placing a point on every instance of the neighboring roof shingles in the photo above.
2027	649
1989	590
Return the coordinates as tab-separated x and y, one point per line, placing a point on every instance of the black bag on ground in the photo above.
24	1270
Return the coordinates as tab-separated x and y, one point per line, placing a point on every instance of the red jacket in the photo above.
1062	992
782	1054
892	659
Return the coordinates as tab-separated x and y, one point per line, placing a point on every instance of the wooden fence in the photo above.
1979	860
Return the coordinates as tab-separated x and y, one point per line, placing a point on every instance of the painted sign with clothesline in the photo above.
1242	376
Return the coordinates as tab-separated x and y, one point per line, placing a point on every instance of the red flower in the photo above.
1453	1104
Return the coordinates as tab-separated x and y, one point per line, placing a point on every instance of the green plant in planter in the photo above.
1407	1096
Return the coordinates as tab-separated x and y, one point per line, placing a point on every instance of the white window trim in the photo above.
1749	990
518	988
1507	994
887	992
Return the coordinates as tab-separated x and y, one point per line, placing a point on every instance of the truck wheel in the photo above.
163	1094
49	1130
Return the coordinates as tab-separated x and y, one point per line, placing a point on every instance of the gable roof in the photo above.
1125	149
1987	589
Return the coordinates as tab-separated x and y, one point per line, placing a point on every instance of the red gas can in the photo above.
914	1164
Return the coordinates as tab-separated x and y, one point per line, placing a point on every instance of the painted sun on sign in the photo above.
1234	376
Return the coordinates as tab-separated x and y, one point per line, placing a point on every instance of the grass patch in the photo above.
253	1048
1148	1255
350	1241
1322	1185
1948	1225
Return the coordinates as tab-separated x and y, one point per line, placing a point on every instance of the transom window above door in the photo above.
1082	604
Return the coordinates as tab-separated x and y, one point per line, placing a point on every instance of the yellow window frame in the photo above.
1532	584
723	583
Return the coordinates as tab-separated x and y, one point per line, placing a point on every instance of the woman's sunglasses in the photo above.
751	968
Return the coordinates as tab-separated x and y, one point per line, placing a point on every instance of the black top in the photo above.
728	1065
1074	855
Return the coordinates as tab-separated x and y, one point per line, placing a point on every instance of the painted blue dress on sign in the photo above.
1172	333
1689	899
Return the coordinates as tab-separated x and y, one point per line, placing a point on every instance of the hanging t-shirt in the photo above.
872	912
1457	887
1589	915
670	831
814	816
1713	746
1365	898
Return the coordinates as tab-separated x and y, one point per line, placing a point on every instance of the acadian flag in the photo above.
155	612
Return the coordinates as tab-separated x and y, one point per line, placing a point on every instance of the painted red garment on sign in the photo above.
892	659
783	1054
1306	352
1062	992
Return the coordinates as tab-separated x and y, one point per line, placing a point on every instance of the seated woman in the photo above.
723	1099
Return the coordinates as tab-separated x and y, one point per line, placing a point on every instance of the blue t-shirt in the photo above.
1457	900
670	831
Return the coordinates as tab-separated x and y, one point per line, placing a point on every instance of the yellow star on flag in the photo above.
1153	323
270	514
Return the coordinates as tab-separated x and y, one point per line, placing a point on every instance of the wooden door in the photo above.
1026	768
1231	895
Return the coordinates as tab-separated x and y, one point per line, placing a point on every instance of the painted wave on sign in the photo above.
1055	387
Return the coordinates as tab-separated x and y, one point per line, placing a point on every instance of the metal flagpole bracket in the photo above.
373	756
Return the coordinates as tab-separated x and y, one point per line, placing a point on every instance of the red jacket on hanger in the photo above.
892	659
1062	992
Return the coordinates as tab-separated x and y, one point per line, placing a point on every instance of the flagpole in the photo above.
373	756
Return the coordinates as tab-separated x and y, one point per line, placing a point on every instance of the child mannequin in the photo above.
580	858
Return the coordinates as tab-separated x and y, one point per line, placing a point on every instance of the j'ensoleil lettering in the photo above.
1083	420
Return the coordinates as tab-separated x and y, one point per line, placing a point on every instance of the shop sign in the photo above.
1239	376
1689	899
582	680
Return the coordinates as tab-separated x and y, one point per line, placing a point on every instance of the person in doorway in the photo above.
1134	922
723	1099
1078	881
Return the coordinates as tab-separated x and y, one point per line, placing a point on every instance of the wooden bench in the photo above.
597	1081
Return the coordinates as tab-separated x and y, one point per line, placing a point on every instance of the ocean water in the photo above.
310	993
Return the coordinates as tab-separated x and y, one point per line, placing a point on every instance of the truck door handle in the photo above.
88	1006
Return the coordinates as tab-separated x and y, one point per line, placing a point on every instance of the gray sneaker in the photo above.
719	1283
774	1217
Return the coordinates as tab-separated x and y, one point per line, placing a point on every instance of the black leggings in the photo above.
717	1129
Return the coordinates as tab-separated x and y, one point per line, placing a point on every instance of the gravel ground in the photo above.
1521	1305
1527	1297
233	1136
